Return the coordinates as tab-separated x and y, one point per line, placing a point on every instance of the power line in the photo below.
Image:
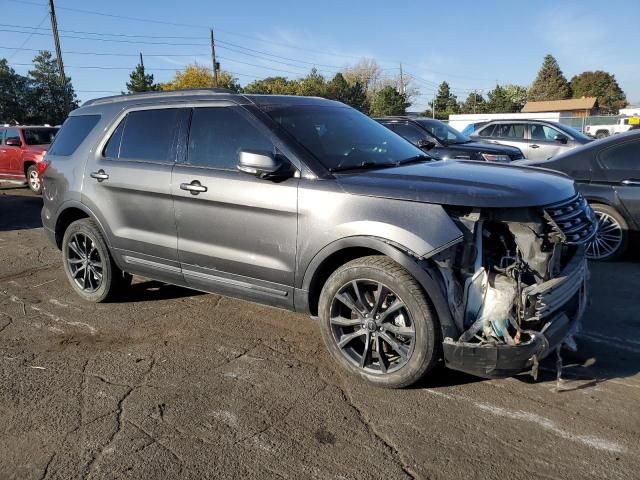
46	15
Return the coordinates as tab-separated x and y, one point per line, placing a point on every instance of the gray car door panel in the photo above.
237	235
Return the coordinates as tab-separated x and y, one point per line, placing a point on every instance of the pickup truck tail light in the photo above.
42	167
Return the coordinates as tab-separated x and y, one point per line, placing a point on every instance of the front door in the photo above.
10	164
128	186
236	233
621	165
543	144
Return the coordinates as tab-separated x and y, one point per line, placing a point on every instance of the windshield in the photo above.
39	136
443	132
342	138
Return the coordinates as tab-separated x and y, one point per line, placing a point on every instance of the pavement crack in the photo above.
373	431
7	324
46	467
153	440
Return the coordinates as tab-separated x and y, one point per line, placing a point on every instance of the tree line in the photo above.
43	97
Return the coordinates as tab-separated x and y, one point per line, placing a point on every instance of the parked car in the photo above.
607	173
538	139
444	142
621	125
472	127
309	205
22	148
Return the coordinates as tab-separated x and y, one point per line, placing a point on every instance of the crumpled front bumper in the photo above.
501	360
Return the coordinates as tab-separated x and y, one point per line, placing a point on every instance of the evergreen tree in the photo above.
498	101
351	94
550	84
49	99
446	103
600	84
139	80
13	92
474	103
313	85
388	101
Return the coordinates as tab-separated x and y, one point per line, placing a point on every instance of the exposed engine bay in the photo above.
517	272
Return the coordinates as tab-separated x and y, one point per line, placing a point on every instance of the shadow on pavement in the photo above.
20	209
151	290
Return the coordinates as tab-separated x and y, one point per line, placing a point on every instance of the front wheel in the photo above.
377	322
33	180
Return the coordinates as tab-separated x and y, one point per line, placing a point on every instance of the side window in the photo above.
513	131
150	135
217	136
1	137
112	149
73	132
543	132
409	132
487	131
622	157
12	134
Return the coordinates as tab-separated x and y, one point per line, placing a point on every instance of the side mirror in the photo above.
425	144
13	142
261	164
561	139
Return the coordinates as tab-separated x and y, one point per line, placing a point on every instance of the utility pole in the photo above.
213	60
401	81
141	61
433	107
56	39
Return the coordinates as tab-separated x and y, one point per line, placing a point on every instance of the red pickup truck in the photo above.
22	148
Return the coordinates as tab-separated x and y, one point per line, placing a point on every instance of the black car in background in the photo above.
607	173
444	142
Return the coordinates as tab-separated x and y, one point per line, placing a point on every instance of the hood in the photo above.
485	147
462	183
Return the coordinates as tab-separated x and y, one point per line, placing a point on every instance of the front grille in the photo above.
572	220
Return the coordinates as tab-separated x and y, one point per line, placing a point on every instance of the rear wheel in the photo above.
377	323
610	241
88	264
602	133
33	180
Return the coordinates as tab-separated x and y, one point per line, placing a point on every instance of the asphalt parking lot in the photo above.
171	383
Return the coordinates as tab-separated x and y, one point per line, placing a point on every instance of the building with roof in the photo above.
573	107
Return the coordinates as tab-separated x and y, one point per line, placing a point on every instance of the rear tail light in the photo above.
42	167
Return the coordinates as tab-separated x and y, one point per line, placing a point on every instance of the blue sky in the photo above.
470	44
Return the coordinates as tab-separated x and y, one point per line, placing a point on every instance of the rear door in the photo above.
621	164
237	235
128	184
513	134
543	144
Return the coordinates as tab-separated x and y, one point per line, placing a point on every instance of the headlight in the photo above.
496	158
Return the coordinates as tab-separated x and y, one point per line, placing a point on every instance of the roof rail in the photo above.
160	94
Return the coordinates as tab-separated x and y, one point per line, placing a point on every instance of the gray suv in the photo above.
537	139
308	205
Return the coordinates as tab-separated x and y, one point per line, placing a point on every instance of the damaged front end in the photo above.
517	286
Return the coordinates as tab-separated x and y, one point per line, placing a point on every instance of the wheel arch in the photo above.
26	165
350	248
71	212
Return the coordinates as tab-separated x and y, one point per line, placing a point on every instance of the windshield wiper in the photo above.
416	159
363	166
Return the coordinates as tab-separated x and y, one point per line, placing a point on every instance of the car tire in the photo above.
610	242
373	326
33	180
602	134
88	264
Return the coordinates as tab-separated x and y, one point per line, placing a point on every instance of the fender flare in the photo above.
426	276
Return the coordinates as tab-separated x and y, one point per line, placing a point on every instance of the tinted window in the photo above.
72	134
411	133
622	157
150	135
487	131
510	130
12	134
543	132
218	135
112	149
341	137
39	136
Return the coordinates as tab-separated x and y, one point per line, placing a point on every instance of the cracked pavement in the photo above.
171	383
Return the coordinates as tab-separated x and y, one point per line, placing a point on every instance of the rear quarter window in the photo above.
73	132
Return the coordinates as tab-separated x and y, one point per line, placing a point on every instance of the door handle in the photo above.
535	146
100	175
630	182
195	187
